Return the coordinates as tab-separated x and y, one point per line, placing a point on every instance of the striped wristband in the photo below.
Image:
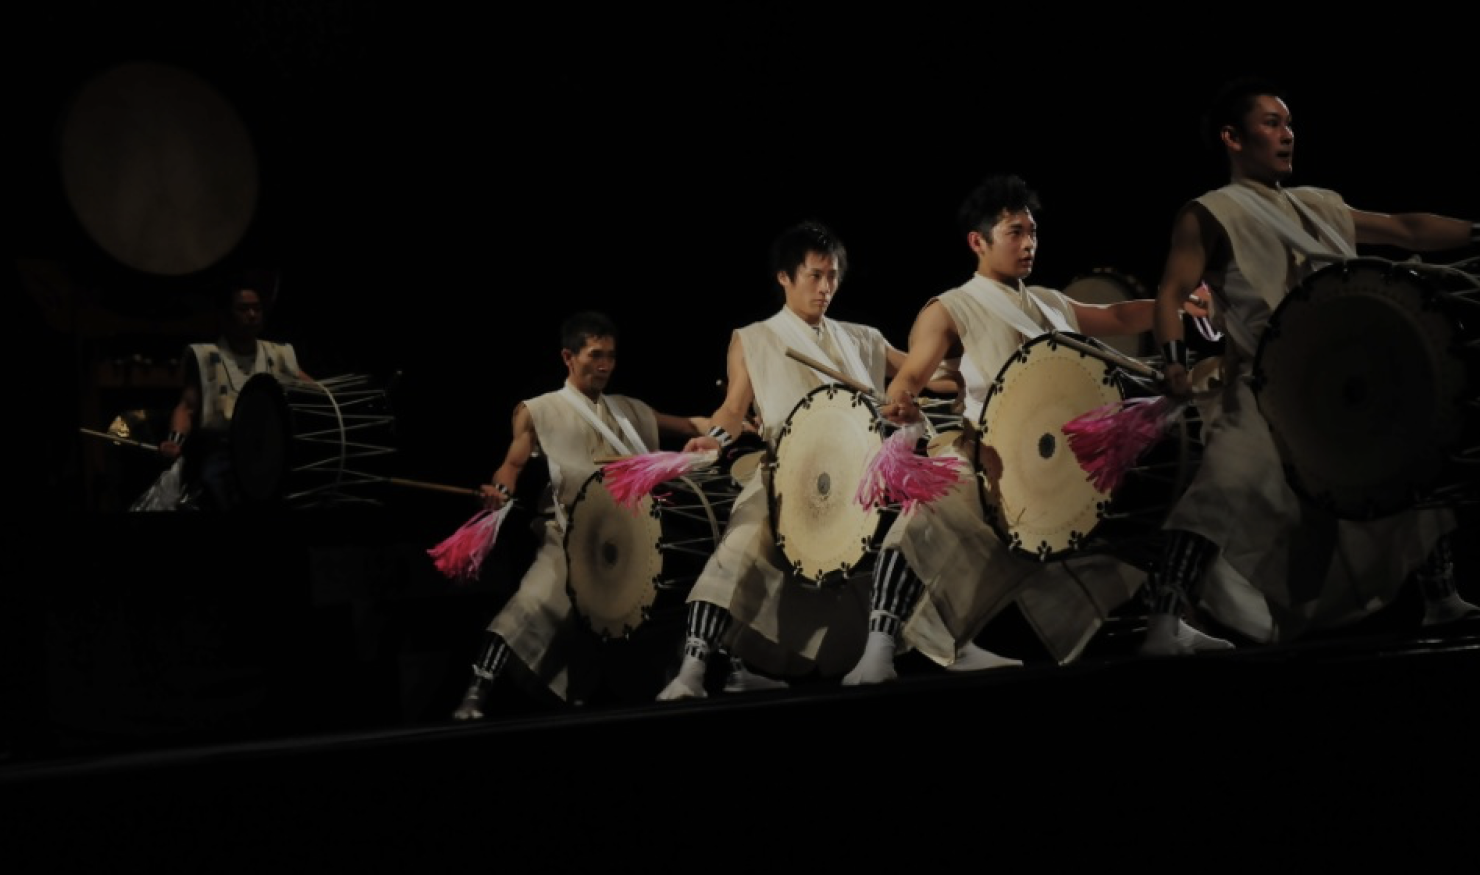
1175	352
722	436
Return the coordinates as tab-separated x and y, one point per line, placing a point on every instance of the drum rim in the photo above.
649	510
1385	270
270	387
974	442
835	577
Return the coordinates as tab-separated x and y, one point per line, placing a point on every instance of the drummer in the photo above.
570	428
943	573
1239	530
771	624
213	377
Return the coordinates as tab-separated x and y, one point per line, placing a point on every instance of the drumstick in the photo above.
1111	356
850	383
435	487
835	374
128	442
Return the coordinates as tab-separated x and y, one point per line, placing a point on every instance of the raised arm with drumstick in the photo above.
571	429
1255	240
936	599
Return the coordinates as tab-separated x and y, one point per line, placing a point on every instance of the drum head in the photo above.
1105	286
821	453
613	560
1043	505
1356	375
260	429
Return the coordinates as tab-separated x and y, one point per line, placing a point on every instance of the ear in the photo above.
783	279
1229	136
978	242
567	356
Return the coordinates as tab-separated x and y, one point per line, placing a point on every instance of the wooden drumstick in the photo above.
851	383
1111	356
435	487
128	442
834	373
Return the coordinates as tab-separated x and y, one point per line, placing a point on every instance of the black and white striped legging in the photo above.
895	590
492	658
706	623
1175	583
1436	574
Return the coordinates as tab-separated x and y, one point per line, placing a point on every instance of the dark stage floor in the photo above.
292	714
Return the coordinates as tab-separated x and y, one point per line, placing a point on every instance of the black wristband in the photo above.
722	436
176	438
1175	352
503	490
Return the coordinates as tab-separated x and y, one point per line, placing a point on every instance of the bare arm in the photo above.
521	449
682	426
738	396
1414	232
939	381
185	414
933	337
1187	262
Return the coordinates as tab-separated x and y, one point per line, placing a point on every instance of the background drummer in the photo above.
746	598
570	428
213	376
1239	527
943	573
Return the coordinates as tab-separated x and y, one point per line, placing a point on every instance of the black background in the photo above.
441	184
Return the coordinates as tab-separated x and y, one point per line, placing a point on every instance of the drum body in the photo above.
1106	286
818	462
1364	377
627	567
1034	492
306	444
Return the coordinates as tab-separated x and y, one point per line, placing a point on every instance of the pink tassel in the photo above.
897	473
1109	440
461	556
628	480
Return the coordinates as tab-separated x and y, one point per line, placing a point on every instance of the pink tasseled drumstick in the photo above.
897	473
629	479
461	556
1109	440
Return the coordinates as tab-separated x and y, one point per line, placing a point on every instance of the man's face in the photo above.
1006	253
246	313
591	368
813	287
1265	148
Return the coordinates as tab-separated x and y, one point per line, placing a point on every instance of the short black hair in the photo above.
997	194
1231	104
585	324
789	250
263	282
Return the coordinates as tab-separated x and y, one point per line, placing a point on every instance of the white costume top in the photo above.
539	622
1274	576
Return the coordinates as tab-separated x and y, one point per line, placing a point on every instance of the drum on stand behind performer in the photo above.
200	475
